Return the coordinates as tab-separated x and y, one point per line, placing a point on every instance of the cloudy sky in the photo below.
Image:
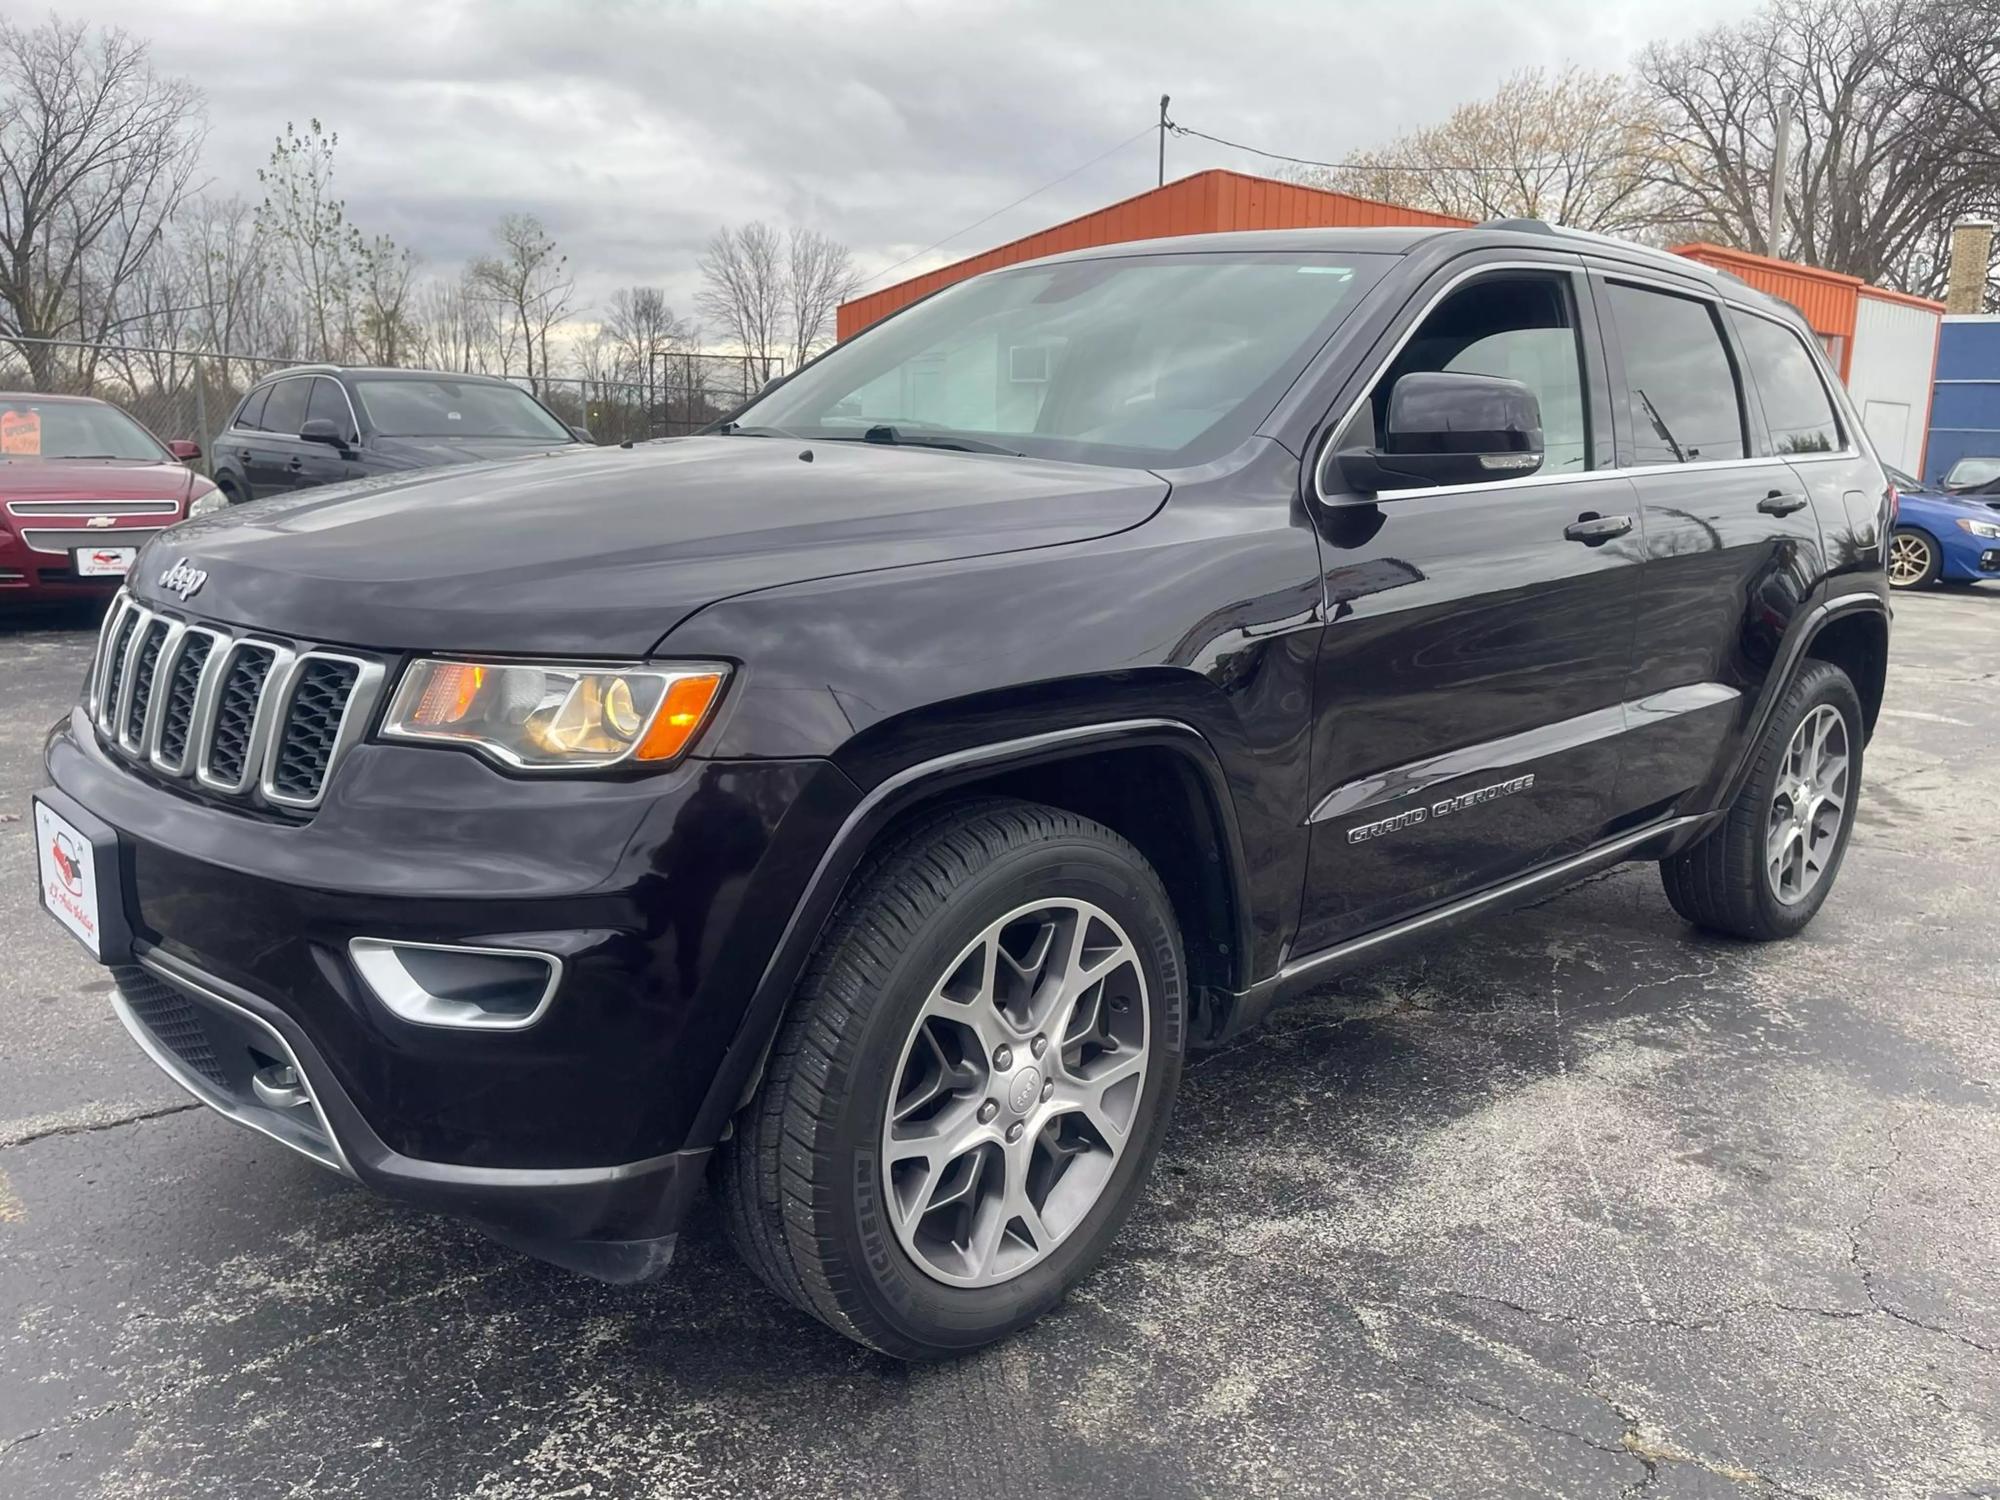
636	127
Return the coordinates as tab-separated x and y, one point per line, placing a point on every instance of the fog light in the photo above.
448	984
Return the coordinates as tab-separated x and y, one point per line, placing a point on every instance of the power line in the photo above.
1364	166
1151	126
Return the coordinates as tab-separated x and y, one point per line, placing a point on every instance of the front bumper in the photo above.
573	1137
222	1045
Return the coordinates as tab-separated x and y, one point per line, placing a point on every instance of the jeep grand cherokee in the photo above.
865	806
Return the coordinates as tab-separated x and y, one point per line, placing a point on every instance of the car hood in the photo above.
601	551
429	452
92	479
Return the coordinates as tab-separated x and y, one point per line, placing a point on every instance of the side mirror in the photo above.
183	450
581	434
323	430
1447	428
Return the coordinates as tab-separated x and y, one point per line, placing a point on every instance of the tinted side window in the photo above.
1796	408
251	417
285	411
330	402
1679	382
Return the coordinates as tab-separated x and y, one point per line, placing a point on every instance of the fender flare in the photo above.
1840	606
742	1065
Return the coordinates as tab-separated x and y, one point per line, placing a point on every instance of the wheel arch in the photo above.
1116	773
1856	641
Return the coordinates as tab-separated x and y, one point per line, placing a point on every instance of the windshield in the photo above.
456	409
1971	471
73	429
1159	359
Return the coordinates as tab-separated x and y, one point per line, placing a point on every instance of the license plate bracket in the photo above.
81	873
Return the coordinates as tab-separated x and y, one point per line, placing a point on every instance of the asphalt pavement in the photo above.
1573	1203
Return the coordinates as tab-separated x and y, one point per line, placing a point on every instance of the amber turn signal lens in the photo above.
687	703
449	694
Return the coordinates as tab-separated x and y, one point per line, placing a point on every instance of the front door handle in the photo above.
1592	529
1778	503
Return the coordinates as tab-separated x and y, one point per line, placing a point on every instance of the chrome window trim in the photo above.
278	380
1694	289
354	718
398	992
261	722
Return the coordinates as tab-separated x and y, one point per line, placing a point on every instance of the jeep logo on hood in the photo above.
183	580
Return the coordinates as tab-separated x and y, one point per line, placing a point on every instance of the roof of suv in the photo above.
387	372
1521	234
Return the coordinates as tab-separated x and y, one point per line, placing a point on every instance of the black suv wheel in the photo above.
969	1090
1766	870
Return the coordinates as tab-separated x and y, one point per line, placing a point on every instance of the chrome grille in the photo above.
240	716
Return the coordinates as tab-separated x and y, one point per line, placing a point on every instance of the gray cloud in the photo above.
635	129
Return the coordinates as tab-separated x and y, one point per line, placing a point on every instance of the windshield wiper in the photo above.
900	437
1660	425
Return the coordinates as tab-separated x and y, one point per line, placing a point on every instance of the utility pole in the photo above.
1774	218
1163	140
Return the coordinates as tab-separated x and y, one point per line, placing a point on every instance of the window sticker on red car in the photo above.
21	433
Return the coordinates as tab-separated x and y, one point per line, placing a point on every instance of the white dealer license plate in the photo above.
104	562
68	868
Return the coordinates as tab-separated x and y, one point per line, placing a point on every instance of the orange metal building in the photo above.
1828	300
1205	203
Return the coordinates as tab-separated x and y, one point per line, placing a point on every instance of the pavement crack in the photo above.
85	1119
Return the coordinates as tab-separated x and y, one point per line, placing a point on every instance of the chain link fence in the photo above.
180	393
175	393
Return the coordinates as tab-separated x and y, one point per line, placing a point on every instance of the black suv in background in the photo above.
868	804
320	424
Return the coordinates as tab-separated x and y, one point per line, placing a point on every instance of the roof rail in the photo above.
1531	226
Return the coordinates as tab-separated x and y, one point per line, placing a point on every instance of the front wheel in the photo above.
963	1104
1766	870
1914	559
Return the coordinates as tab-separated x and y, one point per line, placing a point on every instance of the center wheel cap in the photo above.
1024	1090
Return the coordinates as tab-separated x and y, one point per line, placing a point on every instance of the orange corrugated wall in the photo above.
1205	203
1829	300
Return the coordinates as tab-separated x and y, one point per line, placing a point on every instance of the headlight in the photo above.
549	716
1981	528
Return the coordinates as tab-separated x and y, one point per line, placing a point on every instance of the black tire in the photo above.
800	1178
233	492
1933	558
1722	882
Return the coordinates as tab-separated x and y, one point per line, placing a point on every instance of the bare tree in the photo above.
639	327
225	263
530	282
307	228
384	279
743	289
1892	110
1575	147
454	327
819	277
96	151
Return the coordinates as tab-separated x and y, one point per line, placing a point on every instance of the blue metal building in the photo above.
1965	408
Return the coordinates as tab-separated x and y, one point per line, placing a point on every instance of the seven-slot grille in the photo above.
237	715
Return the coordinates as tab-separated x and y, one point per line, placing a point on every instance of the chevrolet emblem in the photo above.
96	521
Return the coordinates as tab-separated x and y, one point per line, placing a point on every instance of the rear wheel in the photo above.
963	1104
1914	558
1766	870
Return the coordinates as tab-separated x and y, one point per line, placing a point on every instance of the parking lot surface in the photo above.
1573	1203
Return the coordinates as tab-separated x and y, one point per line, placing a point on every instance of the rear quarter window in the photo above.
1798	413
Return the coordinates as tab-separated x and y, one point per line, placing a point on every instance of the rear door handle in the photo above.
244	454
1778	503
296	464
1591	529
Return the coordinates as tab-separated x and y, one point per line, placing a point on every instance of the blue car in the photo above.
1941	538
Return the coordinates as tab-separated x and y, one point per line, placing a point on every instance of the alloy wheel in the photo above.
1016	1093
1909	559
1809	805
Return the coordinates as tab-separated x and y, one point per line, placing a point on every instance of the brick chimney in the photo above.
1971	252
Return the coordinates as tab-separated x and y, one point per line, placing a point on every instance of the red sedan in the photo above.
82	488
